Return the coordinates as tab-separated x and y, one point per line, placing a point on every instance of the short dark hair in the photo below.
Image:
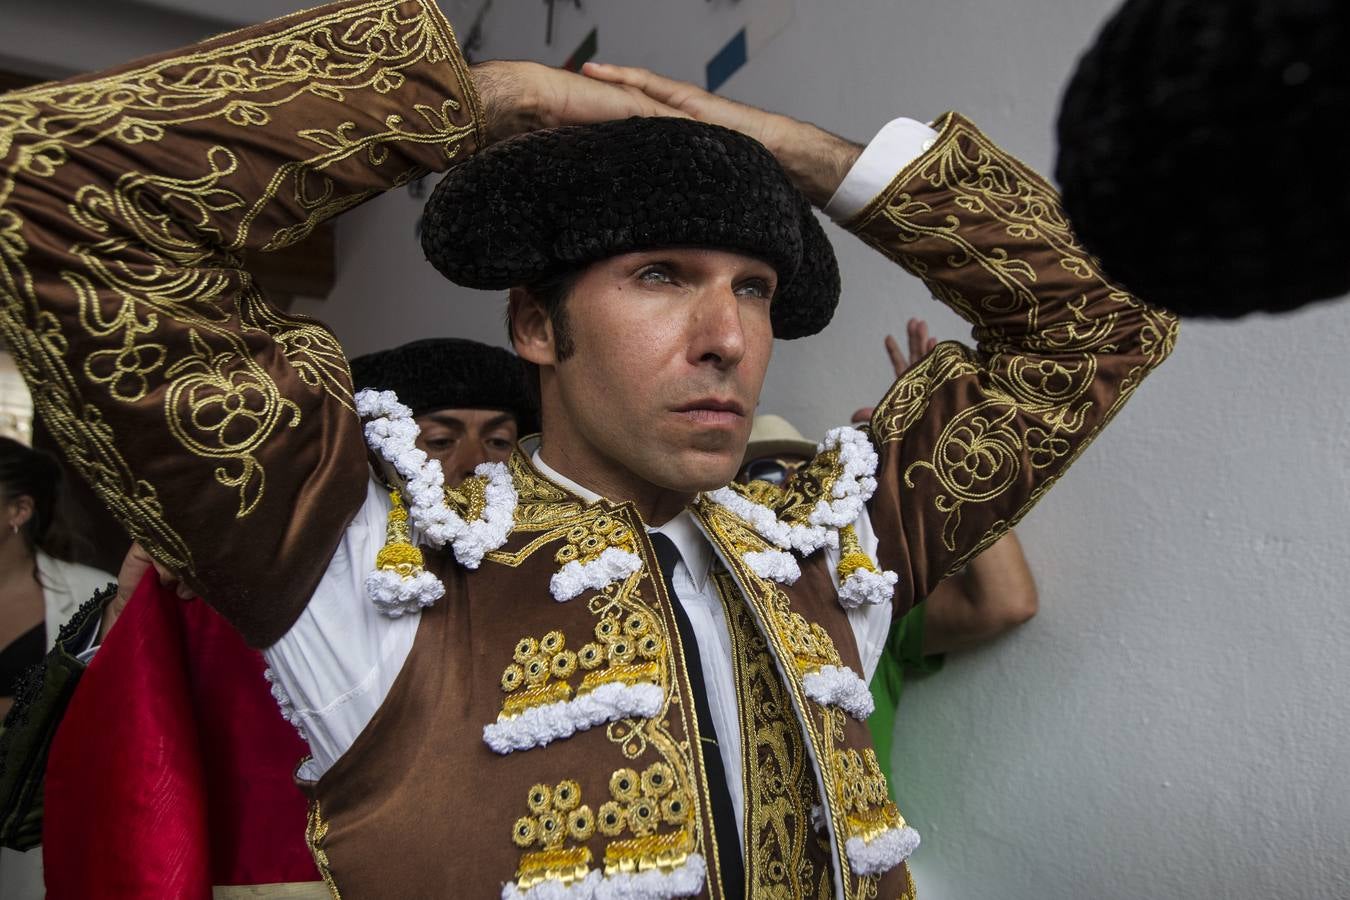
552	292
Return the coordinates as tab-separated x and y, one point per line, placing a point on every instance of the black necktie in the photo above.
732	867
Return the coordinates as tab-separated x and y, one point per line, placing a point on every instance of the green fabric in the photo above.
903	652
26	736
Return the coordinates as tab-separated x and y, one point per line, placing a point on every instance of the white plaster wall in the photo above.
56	38
1169	725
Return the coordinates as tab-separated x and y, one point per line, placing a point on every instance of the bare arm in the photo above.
994	595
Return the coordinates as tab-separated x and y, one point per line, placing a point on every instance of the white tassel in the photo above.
541	725
840	686
613	564
553	889
883	852
856	482
395	595
685	880
774	565
864	587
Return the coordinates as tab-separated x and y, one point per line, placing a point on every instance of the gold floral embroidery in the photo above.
640	803
151	253
799	647
585	542
624	654
809	645
1034	408
785	859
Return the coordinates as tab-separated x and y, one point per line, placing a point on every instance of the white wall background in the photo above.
1168	726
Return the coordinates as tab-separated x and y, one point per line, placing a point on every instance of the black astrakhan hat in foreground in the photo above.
450	373
1201	152
554	200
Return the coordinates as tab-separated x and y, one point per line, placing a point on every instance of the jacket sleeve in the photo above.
969	439
220	431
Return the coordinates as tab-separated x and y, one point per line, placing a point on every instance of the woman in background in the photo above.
39	590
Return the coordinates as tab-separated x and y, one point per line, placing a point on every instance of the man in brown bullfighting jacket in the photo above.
595	671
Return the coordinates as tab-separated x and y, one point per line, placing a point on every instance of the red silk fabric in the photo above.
171	770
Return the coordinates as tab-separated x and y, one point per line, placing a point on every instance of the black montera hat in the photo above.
550	201
1199	152
450	373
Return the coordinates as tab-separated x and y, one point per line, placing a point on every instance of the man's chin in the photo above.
703	471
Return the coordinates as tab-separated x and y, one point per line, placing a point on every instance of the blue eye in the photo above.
757	288
654	274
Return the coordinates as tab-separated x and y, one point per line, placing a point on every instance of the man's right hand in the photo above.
518	97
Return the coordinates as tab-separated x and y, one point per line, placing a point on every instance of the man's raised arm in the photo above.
968	439
220	431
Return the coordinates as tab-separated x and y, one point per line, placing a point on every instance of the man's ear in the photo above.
531	330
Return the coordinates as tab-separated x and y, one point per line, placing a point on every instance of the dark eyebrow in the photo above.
441	418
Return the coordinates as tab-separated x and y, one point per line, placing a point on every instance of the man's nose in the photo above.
718	334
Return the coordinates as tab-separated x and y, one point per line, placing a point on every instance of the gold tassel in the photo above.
852	558
398	553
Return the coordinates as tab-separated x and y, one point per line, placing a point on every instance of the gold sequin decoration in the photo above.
624	784
612	818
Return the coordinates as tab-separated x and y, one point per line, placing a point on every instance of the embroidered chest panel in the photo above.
552	670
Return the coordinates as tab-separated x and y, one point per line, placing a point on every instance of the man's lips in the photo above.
712	411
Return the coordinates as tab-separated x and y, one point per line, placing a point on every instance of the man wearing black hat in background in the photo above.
471	401
661	679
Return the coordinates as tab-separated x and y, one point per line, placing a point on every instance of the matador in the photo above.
599	669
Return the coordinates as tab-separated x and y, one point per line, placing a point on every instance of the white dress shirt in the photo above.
338	661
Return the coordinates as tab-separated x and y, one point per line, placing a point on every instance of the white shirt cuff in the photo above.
896	145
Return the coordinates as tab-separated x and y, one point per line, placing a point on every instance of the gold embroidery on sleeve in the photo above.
183	234
1034	407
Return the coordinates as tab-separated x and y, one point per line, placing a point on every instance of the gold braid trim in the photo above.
398	553
852	557
316	829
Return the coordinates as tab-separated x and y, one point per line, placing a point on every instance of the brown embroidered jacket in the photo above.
222	433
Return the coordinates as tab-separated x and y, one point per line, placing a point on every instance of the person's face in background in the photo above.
461	439
776	469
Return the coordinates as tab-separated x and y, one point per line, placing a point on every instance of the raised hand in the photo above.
814	159
920	345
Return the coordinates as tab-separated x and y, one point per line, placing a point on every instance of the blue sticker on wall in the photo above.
730	58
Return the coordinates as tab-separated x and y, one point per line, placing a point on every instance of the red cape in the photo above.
171	770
